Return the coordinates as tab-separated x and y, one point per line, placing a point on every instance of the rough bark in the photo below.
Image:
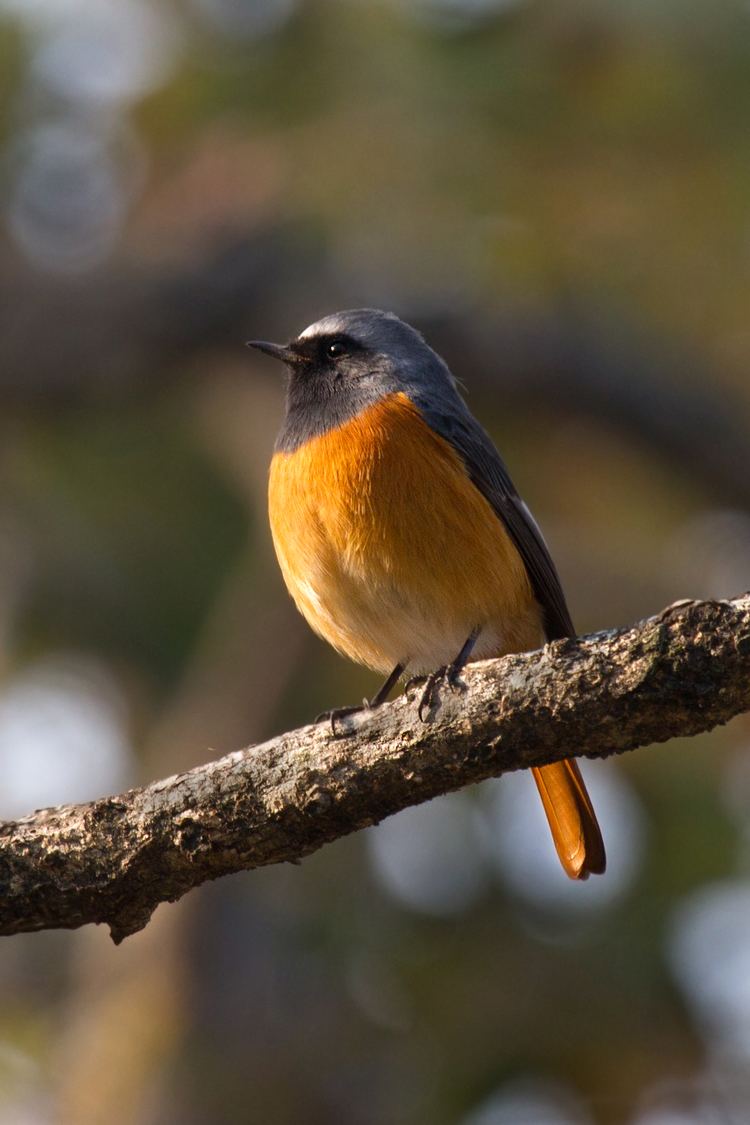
113	860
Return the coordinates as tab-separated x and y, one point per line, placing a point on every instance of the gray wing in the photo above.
489	474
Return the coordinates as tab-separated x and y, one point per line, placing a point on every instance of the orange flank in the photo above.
389	550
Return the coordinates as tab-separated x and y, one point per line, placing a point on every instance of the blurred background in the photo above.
559	195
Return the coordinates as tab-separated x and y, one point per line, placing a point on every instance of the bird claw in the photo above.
455	683
448	676
341	713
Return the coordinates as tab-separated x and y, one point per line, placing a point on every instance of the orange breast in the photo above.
390	551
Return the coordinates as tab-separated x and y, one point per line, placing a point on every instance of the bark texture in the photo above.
113	860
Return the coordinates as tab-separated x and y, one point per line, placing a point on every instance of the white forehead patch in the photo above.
363	323
328	326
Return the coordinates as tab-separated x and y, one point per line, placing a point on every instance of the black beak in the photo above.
279	351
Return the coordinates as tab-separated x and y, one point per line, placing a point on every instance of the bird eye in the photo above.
335	349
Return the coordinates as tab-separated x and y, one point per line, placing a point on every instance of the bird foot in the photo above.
342	713
448	676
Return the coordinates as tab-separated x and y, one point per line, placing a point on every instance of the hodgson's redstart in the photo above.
400	534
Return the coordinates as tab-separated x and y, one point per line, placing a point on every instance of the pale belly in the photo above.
380	626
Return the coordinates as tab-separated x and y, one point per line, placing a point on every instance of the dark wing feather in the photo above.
491	477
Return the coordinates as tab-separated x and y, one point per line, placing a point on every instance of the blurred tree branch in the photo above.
130	329
113	860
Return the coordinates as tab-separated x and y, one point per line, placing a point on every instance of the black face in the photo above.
331	378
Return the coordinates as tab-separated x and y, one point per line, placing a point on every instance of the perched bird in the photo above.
400	535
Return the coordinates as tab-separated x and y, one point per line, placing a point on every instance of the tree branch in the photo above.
114	860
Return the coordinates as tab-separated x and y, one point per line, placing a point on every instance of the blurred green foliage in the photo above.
587	164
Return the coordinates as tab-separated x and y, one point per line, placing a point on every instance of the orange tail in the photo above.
572	819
